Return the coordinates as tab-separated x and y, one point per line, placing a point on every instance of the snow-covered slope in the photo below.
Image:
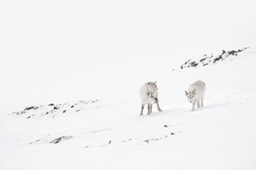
108	133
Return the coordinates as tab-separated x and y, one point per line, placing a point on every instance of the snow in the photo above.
71	73
110	134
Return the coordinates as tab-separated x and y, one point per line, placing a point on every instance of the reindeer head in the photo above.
152	96
152	89
190	95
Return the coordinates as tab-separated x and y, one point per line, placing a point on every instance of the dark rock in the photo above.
187	61
193	64
203	59
30	108
55	107
94	101
217	59
58	140
233	52
147	141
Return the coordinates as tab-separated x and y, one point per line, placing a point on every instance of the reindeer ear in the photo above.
186	93
194	91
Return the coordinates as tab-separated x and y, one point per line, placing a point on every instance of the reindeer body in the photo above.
195	94
149	96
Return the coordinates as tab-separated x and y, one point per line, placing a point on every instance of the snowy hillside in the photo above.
108	133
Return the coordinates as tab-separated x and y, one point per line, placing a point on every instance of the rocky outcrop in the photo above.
54	109
211	59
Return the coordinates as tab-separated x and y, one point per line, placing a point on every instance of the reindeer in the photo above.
195	94
149	96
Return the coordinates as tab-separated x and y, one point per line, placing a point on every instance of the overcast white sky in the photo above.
42	39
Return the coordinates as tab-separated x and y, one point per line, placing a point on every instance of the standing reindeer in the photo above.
149	96
195	94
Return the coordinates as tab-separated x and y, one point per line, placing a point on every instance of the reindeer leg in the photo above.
149	109
202	101
193	105
158	106
142	108
198	104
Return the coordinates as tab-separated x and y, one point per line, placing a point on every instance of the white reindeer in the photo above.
195	94
149	96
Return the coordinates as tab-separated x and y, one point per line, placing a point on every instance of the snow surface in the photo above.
71	72
109	133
